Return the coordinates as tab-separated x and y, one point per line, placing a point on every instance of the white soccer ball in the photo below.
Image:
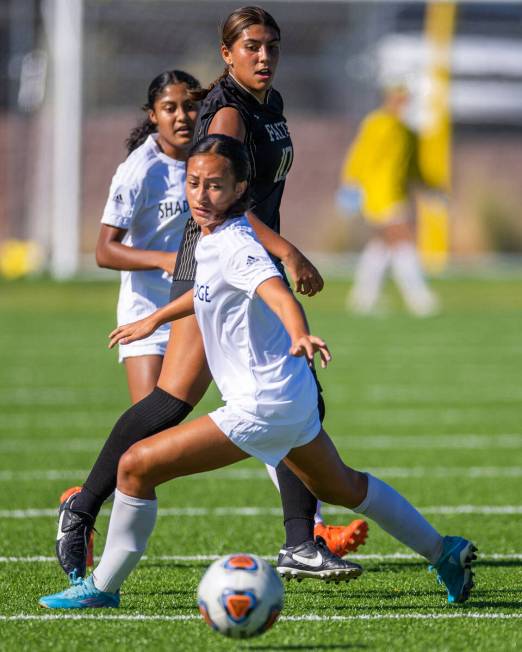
240	595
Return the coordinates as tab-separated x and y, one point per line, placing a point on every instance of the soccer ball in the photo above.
240	596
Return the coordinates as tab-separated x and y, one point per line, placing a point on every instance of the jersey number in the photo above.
287	156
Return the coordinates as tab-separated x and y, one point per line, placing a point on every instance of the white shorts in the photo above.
156	344
269	442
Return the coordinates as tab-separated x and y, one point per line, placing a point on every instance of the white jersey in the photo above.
147	198
246	344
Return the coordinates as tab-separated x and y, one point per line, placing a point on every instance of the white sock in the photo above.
369	276
394	514
131	524
410	280
273	476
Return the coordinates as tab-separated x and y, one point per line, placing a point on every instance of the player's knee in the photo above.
327	491
331	494
357	487
348	490
134	467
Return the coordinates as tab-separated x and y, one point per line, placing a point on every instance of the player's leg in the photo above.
142	375
301	520
299	505
156	412
406	268
319	466
190	448
165	407
369	276
193	447
185	373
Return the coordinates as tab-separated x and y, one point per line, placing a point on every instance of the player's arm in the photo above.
138	330
305	276
307	280
228	121
278	298
111	253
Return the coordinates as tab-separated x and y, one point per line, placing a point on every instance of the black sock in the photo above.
156	412
299	504
299	507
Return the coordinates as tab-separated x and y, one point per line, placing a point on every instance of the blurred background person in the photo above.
379	178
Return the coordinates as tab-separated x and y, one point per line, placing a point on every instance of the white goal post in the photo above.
67	31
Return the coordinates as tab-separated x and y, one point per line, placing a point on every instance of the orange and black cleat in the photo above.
342	539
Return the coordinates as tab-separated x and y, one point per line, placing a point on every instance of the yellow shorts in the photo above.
394	215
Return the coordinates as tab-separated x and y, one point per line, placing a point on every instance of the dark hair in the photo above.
237	155
140	133
237	21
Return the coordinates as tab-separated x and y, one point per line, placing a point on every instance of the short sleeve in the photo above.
125	200
247	267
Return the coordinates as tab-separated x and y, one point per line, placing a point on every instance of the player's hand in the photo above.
128	333
309	345
305	276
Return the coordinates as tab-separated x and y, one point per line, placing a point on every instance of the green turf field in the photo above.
432	406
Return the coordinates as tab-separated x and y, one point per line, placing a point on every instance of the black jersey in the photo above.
271	155
267	139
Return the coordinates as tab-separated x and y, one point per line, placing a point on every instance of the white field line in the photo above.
50	474
468	615
440	395
375	442
53	445
102	418
400	442
59	396
261	474
394	556
100	424
499	510
418	417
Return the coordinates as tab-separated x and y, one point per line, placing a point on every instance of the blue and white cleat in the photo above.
454	568
82	594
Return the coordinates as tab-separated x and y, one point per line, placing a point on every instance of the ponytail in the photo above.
201	94
140	134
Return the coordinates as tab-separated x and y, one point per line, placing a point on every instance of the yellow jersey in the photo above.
382	162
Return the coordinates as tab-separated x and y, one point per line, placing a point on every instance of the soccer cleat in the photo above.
90	544
454	568
342	539
82	594
313	559
74	539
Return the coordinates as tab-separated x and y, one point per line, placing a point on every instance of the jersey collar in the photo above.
174	162
245	93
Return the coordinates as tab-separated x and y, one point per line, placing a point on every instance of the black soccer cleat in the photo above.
313	559
72	539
